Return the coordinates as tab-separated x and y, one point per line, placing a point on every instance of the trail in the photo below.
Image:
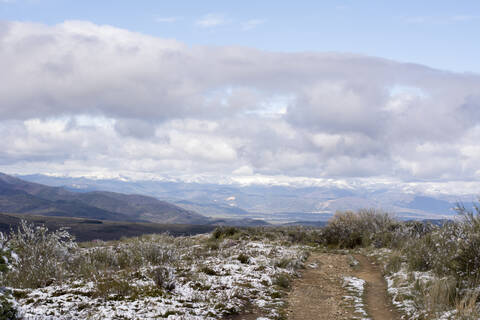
378	304
319	293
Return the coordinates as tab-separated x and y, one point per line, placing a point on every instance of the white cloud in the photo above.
252	24
167	19
212	20
82	98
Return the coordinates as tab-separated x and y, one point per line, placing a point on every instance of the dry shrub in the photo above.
42	257
282	280
467	307
350	229
440	294
163	278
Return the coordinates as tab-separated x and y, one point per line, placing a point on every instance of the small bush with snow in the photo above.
41	257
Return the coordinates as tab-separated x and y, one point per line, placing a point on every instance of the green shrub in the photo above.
7	310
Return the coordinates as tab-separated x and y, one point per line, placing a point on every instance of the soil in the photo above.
319	293
378	304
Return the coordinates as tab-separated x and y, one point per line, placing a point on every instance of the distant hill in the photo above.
23	197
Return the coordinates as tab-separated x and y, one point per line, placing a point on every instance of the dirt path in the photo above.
378	304
319	293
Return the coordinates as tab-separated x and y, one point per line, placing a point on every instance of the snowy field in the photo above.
159	276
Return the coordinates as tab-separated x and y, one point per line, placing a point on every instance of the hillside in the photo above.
23	197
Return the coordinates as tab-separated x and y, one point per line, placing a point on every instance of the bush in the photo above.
42	257
450	250
225	232
243	258
209	271
163	278
282	280
394	263
467	256
350	229
451	253
7	310
441	293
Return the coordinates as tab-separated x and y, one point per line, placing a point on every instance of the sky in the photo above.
242	91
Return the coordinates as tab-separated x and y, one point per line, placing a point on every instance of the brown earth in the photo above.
319	293
378	304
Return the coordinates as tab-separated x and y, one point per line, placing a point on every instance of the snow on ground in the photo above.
355	287
403	289
202	284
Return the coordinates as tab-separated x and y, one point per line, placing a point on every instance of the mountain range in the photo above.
277	204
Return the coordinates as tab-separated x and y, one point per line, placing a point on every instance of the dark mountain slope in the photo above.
19	196
14	200
141	207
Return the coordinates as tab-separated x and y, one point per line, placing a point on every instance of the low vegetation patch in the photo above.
153	276
431	270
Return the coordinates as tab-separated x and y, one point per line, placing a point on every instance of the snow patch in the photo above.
355	286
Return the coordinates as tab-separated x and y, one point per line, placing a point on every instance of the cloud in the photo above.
82	98
212	20
135	128
167	19
252	24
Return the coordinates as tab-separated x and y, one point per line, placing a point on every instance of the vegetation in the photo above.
363	228
148	276
431	270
